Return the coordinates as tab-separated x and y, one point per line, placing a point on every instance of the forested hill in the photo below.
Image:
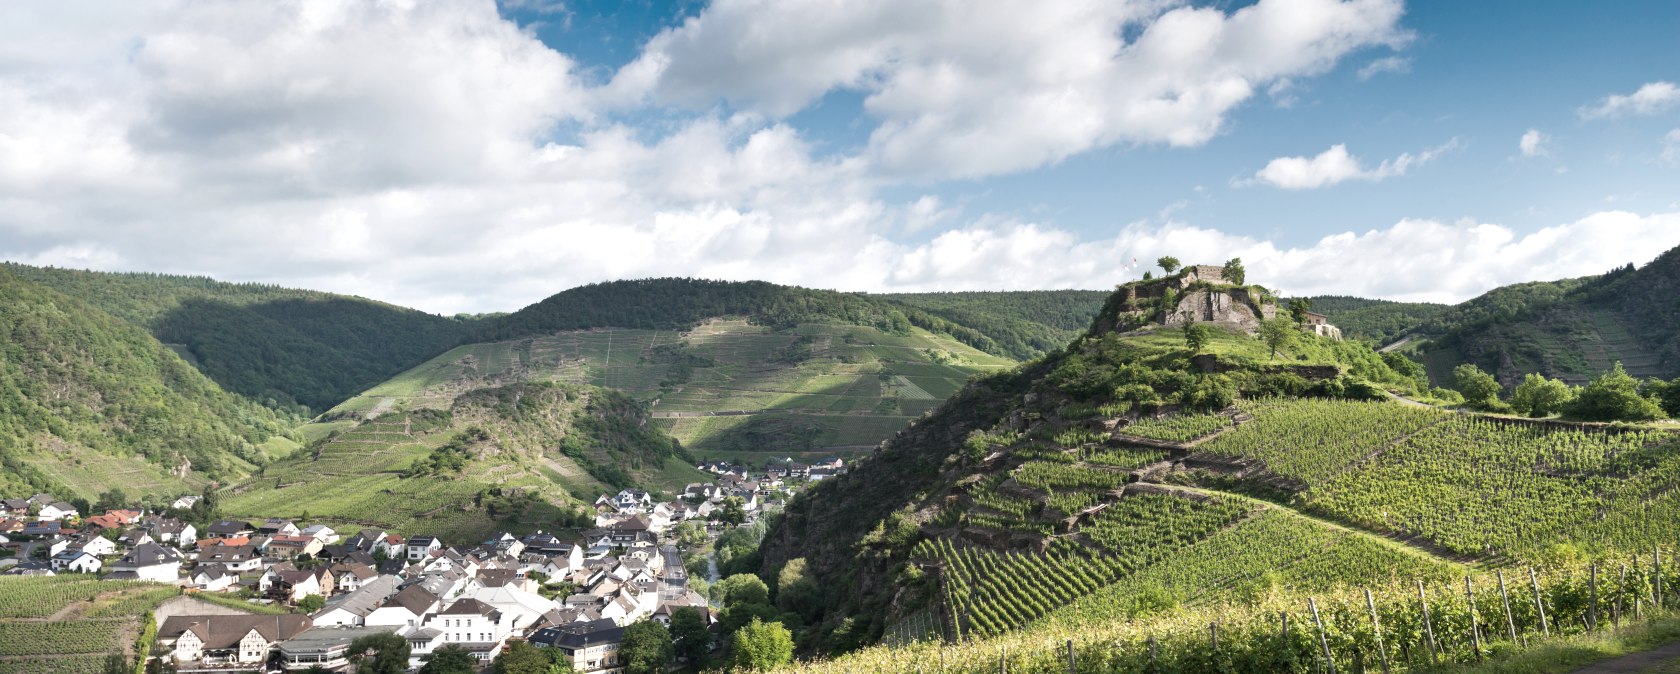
1008	330
1380	321
1572	329
1024	324
89	402
281	346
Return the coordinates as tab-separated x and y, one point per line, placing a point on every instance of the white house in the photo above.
76	561
234	558
225	639
53	512
322	533
213	578
150	562
421	546
474	625
98	546
403	609
184	502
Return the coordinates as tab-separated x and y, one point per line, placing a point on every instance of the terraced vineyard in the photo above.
812	389
364	476
71	623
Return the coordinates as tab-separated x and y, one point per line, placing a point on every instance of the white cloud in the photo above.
1533	143
1671	148
1388	64
1650	99
408	152
963	90
1335	165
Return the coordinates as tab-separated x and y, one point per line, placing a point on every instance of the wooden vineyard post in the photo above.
1151	651
1071	667
1003	657
1539	604
1213	635
1656	577
1592	598
1475	637
1323	641
1620	593
1504	598
1428	629
1376	628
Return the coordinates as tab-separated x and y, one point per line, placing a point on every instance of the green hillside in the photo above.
1380	321
1126	483
285	347
1024	324
1572	329
722	388
89	402
520	456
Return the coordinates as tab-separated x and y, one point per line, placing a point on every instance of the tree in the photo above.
1298	309
1538	396
1197	336
796	592
450	659
733	511
1278	334
1479	388
690	534
521	658
646	648
1169	264
1666	393
113	499
1234	272
380	654
762	646
311	603
1614	396
689	635
744	588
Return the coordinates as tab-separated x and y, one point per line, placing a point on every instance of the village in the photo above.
312	589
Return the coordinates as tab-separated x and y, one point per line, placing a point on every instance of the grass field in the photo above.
833	388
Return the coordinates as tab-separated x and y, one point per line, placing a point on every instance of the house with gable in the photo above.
353	609
226	639
420	547
407	608
58	511
591	647
213	578
75	560
149	562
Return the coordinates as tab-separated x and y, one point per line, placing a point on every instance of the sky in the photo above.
472	156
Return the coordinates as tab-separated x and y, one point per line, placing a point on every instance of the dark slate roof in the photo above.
579	634
150	554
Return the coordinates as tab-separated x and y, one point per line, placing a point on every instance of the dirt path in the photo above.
1638	662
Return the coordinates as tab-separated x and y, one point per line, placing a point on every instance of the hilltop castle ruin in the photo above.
1199	294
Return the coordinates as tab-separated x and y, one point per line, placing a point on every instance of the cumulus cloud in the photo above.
413	152
1335	166
1650	99
1388	64
963	90
1533	143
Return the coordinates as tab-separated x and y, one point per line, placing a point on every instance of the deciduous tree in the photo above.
762	646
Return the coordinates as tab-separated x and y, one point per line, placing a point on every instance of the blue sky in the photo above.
464	155
1483	73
